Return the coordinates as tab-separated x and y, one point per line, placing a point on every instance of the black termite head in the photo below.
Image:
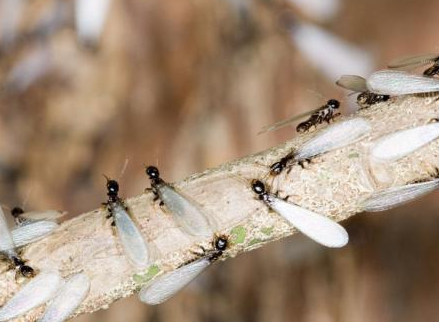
258	187
16	212
112	189
332	103
24	270
221	243
276	168
153	174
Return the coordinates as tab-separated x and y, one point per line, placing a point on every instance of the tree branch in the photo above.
334	184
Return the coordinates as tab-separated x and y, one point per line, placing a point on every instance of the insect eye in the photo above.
152	172
258	187
221	244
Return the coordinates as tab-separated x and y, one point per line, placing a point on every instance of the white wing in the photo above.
167	285
42	215
32	231
334	136
69	297
131	238
395	82
317	227
399	144
90	18
396	196
186	213
36	292
6	242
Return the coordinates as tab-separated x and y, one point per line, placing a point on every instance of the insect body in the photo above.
33	294
357	84
130	236
395	82
322	114
8	248
335	136
417	61
68	298
167	285
317	227
184	210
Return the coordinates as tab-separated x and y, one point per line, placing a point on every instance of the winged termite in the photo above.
317	227
396	82
335	136
8	248
186	212
130	236
357	84
414	61
167	285
324	113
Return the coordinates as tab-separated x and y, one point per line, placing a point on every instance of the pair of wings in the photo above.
133	243
65	296
37	225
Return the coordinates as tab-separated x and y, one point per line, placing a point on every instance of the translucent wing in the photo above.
396	196
287	122
131	238
35	293
6	242
352	82
167	285
413	61
186	212
317	227
333	137
69	297
30	232
395	82
41	215
399	144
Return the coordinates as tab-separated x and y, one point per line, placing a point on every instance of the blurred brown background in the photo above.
186	85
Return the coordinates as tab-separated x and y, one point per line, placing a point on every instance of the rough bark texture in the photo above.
334	184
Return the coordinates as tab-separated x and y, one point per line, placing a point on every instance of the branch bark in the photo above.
334	184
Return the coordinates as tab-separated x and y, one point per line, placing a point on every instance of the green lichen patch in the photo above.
255	241
238	234
152	271
353	155
267	230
